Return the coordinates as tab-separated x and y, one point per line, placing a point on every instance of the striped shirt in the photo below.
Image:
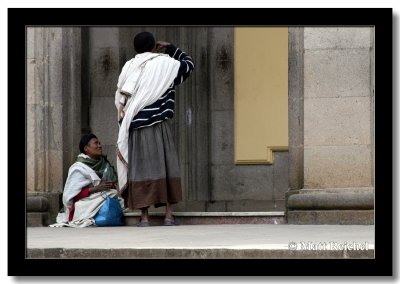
164	107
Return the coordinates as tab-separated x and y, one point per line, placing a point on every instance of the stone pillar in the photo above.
296	111
53	114
338	128
296	108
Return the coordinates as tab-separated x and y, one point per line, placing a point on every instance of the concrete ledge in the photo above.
37	204
158	220
345	190
203	241
213	214
331	201
331	217
205	218
196	253
37	219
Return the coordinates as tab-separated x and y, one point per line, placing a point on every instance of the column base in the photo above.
331	207
42	208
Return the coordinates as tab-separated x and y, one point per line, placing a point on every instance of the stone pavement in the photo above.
203	241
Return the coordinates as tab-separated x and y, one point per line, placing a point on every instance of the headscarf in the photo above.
98	166
85	141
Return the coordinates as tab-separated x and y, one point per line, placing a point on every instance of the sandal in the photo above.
171	222
142	224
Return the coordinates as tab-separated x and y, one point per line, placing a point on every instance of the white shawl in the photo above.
85	210
145	78
80	176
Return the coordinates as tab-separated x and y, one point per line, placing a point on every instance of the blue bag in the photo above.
110	214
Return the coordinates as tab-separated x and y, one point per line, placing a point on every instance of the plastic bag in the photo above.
110	214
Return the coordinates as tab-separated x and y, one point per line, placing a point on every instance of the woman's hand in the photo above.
103	186
121	112
161	44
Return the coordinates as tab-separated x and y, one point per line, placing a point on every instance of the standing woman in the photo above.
148	169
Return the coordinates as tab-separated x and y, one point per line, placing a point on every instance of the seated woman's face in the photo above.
93	149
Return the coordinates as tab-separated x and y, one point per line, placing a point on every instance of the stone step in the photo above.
272	252
209	218
331	217
203	242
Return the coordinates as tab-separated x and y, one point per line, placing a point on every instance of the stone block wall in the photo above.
338	141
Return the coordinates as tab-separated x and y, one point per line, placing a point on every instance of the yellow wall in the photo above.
261	94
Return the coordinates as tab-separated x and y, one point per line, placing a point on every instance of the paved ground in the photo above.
203	241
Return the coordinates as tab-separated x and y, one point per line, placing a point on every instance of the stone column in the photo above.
296	111
337	108
53	116
296	108
338	128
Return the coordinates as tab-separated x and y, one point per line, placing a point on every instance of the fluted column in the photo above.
53	109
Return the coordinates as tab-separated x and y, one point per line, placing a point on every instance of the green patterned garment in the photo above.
98	166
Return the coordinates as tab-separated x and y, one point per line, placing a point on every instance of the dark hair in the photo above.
85	140
143	42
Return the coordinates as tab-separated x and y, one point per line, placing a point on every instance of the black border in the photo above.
381	18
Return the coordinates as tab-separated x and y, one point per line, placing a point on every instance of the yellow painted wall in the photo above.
261	93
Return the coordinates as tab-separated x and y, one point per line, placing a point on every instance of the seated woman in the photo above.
85	183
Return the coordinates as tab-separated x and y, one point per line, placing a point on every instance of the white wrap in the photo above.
145	78
80	176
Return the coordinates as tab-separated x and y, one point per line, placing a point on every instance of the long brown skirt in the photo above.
153	174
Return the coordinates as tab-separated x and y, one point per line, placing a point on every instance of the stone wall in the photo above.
236	187
103	71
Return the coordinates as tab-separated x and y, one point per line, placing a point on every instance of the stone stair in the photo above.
209	218
202	242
